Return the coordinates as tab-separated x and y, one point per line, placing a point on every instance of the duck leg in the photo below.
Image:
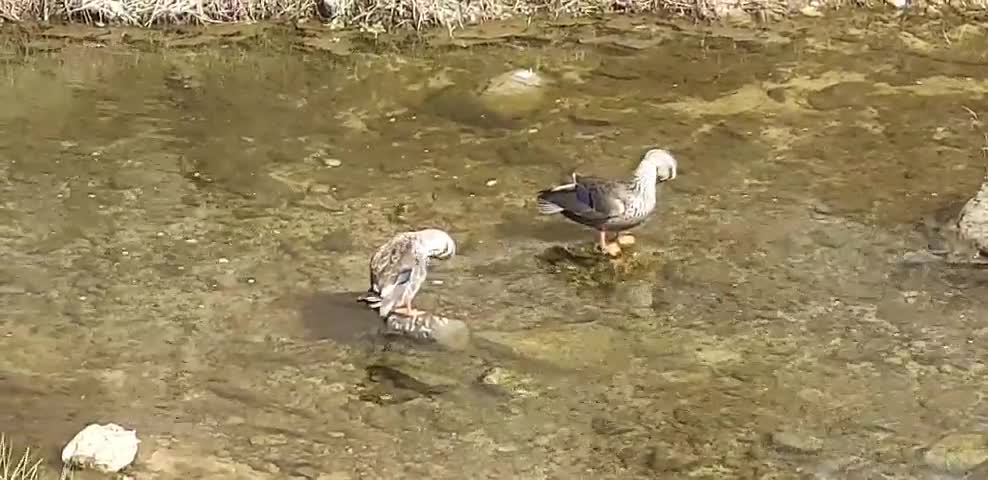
612	249
408	311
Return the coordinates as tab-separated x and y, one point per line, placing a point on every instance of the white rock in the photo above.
811	11
108	448
973	221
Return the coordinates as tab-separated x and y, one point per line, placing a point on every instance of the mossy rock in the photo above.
585	267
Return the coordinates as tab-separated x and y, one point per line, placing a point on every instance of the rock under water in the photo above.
447	332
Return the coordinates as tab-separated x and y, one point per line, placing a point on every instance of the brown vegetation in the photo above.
387	14
19	467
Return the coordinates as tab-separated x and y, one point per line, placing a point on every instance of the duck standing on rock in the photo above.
399	267
612	205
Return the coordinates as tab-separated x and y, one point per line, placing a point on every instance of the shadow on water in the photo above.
185	234
338	317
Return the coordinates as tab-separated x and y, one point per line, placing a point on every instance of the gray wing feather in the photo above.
608	196
406	286
397	271
591	198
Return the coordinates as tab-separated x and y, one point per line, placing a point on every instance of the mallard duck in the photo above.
611	205
399	267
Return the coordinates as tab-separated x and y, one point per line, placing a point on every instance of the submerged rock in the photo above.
447	332
513	94
107	448
973	220
796	442
958	453
501	102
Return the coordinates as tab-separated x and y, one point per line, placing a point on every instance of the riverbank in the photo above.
391	15
926	36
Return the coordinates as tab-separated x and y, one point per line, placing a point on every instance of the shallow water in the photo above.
185	230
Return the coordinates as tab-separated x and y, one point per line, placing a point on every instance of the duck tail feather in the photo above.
546	207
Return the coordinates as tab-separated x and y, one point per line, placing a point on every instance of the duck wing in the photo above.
588	197
397	271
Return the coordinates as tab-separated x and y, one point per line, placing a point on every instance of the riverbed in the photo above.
187	221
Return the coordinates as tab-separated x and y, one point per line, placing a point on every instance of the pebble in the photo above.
811	11
796	442
491	182
822	208
268	440
307	472
958	453
332	162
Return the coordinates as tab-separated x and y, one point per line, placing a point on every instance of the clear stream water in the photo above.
184	231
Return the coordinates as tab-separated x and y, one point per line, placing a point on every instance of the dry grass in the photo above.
151	12
372	14
16	467
385	15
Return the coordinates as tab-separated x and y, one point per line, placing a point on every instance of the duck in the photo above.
607	205
399	267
